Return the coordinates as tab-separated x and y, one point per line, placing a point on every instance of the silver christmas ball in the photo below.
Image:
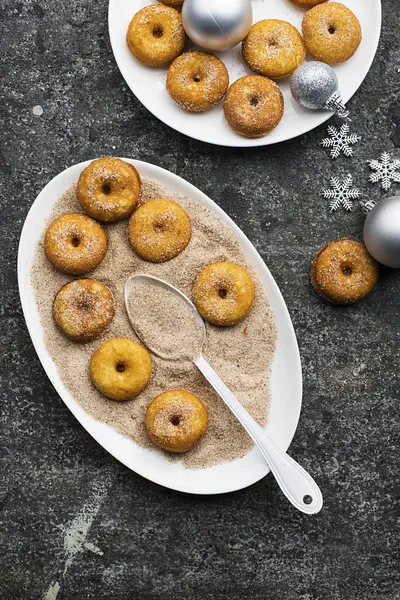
382	232
217	24
313	84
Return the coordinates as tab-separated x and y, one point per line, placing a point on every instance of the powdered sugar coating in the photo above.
155	35
75	244
176	420
109	189
197	81
83	309
159	230
344	272
253	106
223	293
332	33
273	48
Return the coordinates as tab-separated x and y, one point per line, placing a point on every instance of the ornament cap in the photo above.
336	104
368	205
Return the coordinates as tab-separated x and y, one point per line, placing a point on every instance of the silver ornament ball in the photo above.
382	232
313	84
217	24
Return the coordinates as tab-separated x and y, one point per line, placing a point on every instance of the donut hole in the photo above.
175	420
222	293
157	31
120	366
196	77
159	227
332	29
273	43
106	189
75	240
347	270
254	100
84	305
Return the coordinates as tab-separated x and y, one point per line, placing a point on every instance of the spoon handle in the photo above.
297	485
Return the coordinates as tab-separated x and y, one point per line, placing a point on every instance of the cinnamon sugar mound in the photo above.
241	355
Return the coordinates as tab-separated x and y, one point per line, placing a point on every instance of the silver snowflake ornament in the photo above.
385	171
340	140
342	193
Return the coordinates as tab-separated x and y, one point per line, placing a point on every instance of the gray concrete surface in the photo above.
75	524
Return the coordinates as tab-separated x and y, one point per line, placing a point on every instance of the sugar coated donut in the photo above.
197	81
332	32
173	3
109	189
83	309
120	369
176	420
253	106
223	293
307	3
344	272
156	35
273	48
75	244
159	230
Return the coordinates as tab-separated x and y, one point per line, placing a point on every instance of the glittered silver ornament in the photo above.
315	85
382	230
217	24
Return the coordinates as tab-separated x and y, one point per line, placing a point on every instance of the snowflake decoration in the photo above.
342	193
340	140
385	171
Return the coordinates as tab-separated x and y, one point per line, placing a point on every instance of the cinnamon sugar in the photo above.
241	355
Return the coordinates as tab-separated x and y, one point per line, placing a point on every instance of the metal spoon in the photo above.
297	485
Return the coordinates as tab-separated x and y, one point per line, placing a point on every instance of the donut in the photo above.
344	272
307	3
223	293
120	369
155	35
109	189
273	48
176	420
253	106
173	3
197	81
159	230
332	33
83	309
75	244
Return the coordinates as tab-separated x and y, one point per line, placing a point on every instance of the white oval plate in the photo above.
286	380
148	83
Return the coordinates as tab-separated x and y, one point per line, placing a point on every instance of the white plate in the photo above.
286	381
148	83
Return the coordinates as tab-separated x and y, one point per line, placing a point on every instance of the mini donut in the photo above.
176	421
253	106
155	35
75	244
223	293
332	33
173	3
120	369
159	230
307	3
109	189
344	272
197	81
83	309
273	48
